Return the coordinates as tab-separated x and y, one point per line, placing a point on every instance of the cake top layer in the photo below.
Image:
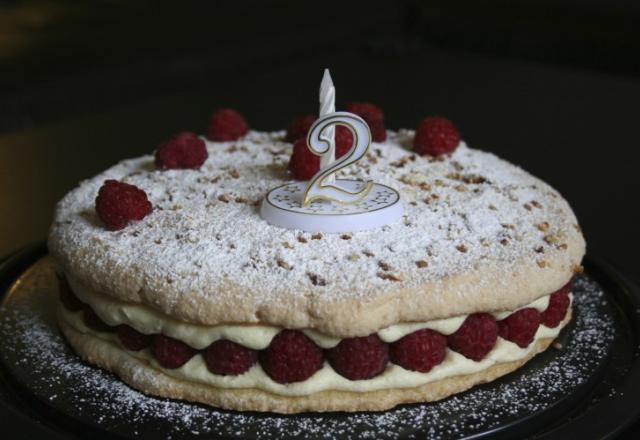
479	234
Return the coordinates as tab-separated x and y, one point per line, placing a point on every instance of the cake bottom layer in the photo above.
142	375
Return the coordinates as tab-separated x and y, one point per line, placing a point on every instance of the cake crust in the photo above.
488	236
142	376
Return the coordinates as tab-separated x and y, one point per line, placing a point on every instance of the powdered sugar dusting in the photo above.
32	348
462	212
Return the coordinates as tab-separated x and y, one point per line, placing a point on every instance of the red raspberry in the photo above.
228	358
558	305
373	116
436	136
520	327
344	141
226	125
184	150
69	300
419	351
303	164
94	322
476	336
299	127
171	353
119	203
131	338
359	358
291	357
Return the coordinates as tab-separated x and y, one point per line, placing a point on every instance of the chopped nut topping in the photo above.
460	188
316	280
539	249
544	226
536	204
234	173
527	207
388	276
504	242
345	237
578	268
542	264
552	239
283	264
223	198
384	266
317	236
493	208
287	245
301	239
241	200
368	253
462	248
421	264
353	257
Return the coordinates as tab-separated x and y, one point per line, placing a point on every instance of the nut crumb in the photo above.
388	276
421	264
317	236
223	198
504	242
542	264
241	200
286	245
384	266
527	207
345	237
368	253
578	268
283	264
234	173
462	248
301	239
316	280
544	226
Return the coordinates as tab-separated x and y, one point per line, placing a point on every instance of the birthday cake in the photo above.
171	278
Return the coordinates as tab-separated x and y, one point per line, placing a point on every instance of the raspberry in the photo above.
226	125
344	141
359	358
373	116
520	327
476	336
184	150
119	203
291	357
436	136
131	338
69	300
299	127
171	353
558	305
94	322
419	351
228	358
303	164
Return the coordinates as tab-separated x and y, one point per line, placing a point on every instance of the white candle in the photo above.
328	105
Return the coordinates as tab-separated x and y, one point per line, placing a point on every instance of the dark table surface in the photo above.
576	129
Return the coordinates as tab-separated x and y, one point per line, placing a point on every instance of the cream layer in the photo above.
255	336
195	370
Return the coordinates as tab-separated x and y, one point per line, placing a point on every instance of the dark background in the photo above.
553	86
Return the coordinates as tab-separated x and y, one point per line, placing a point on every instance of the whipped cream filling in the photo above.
195	370
254	336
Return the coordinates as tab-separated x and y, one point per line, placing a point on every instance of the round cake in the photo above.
199	298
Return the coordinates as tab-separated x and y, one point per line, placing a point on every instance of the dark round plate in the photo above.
587	385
